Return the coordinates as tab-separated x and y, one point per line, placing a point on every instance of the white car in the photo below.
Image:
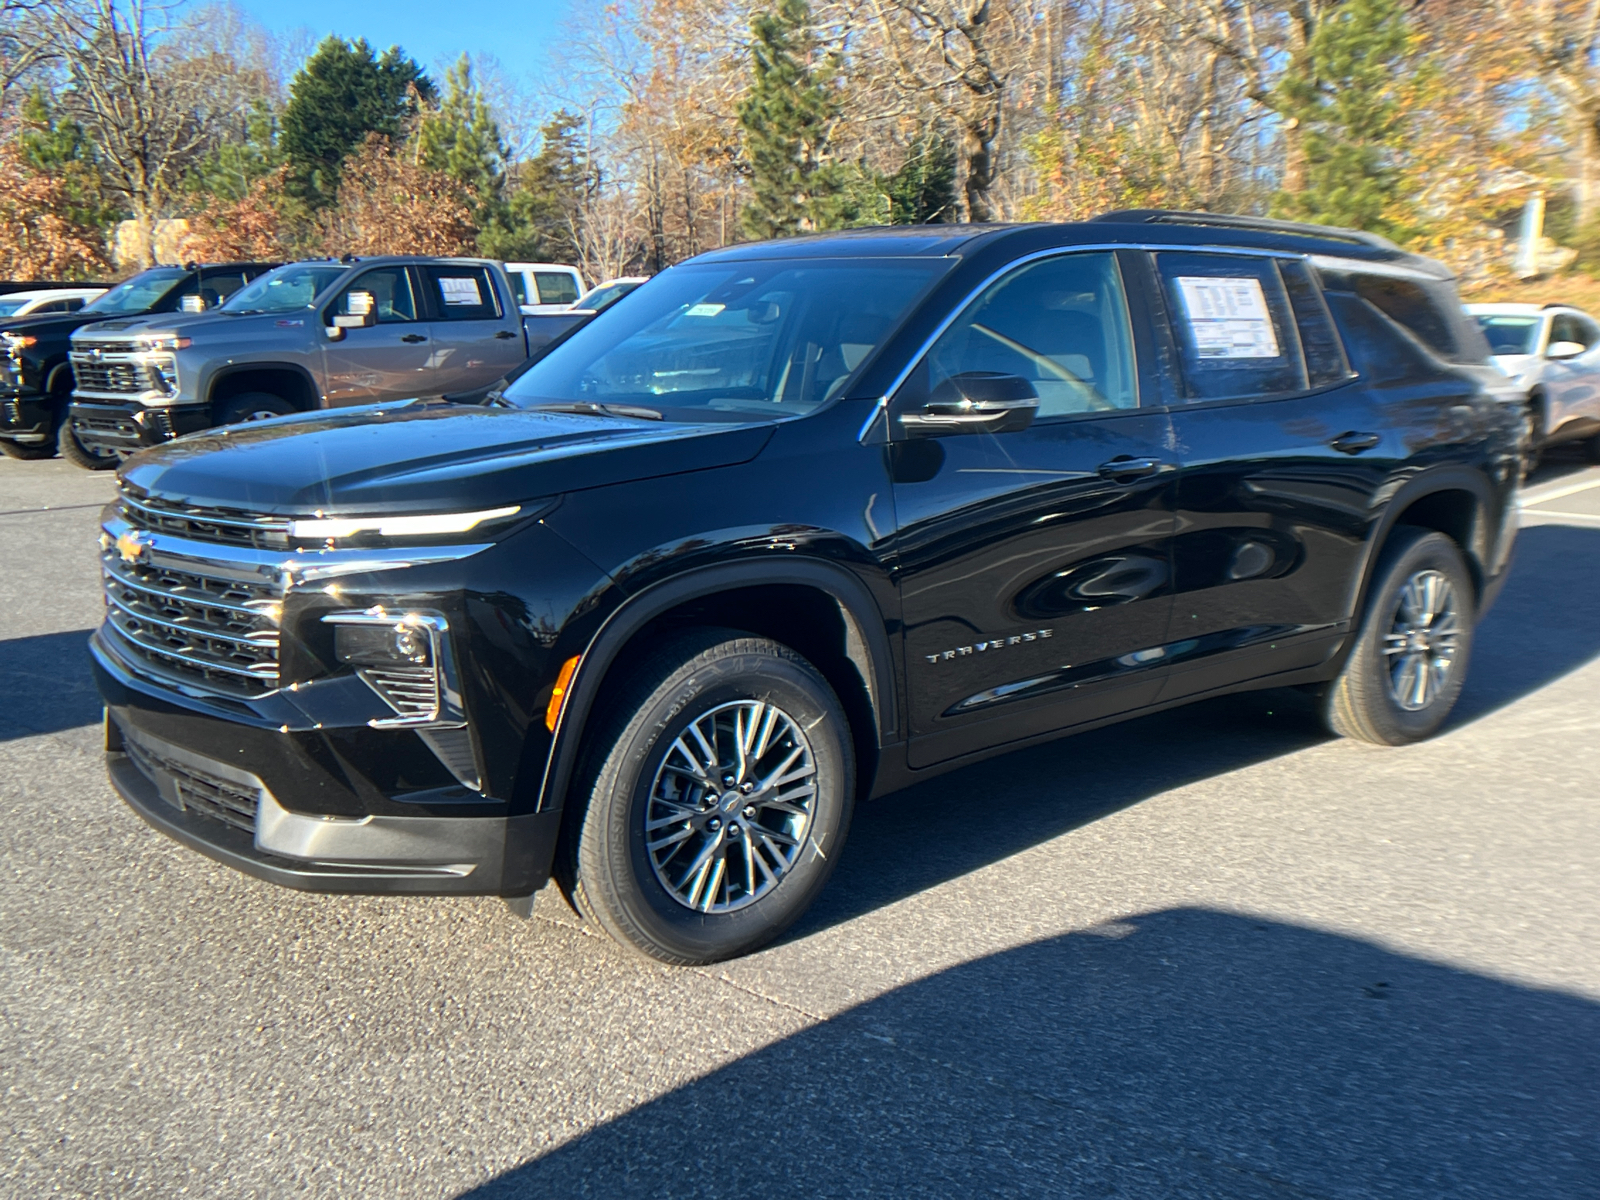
604	295
46	300
545	287
1554	352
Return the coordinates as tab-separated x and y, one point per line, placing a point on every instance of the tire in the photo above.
79	455
1591	448
646	891
1391	696
30	451
1533	431
251	406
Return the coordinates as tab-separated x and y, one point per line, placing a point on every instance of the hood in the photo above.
1516	365
132	326
417	457
45	324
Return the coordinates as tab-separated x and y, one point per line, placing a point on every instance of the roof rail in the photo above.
1328	233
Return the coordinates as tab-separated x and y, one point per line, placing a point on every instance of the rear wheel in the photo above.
251	406
90	458
1406	669
13	449
718	800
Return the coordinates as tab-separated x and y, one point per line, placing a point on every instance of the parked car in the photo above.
43	301
319	334
545	287
609	292
1553	352
36	377
799	524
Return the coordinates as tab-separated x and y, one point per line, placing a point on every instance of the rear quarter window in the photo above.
1430	310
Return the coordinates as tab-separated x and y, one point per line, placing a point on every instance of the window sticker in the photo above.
1229	317
460	290
705	310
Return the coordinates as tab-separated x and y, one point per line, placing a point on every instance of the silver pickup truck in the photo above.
320	334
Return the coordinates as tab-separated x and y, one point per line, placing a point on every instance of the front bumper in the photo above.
126	426
25	416
204	780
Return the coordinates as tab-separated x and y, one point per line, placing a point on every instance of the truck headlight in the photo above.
151	344
429	525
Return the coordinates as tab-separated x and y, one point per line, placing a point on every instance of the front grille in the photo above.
230	527
410	691
218	632
124	378
198	791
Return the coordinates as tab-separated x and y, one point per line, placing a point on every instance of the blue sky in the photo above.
516	32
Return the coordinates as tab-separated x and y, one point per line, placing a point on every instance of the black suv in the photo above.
799	524
36	378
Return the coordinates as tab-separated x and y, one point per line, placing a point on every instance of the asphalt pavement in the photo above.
1209	953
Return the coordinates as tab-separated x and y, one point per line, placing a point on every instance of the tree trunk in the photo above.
1586	164
979	132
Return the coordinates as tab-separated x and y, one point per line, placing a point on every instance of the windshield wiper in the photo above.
245	312
591	408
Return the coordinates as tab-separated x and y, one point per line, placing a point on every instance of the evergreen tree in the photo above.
462	140
231	170
1345	94
57	147
786	120
923	190
343	93
543	210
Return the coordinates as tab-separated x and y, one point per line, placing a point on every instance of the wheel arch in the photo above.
289	380
58	372
785	601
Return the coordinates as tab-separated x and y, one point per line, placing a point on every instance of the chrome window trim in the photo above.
1332	262
880	407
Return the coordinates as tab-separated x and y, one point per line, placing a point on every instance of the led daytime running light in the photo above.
165	343
334	528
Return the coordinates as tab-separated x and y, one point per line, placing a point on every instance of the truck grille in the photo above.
198	791
123	378
224	525
218	632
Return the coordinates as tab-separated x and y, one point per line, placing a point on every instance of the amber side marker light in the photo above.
558	694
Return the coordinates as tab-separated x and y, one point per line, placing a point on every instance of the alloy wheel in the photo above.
1420	647
731	806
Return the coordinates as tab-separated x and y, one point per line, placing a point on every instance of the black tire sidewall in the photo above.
613	863
232	410
74	452
1394	724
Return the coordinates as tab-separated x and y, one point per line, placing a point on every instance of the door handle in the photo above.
415	337
1131	468
1355	442
505	333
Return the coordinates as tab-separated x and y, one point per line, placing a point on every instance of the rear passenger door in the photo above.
477	335
1282	455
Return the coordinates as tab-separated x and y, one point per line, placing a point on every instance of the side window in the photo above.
214	289
1588	332
519	287
1569	327
462	293
391	295
1061	324
1233	325
1408	303
555	287
1319	338
55	306
74	304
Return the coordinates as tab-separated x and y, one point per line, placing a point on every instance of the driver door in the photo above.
1035	563
388	360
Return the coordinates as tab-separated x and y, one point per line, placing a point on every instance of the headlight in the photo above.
164	343
336	528
21	341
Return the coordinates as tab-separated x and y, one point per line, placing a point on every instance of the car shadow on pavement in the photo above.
1180	1053
46	684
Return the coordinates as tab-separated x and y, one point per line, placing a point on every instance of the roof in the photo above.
1512	310
62	293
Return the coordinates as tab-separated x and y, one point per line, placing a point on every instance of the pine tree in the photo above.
462	139
57	147
543	209
343	93
786	120
231	171
1347	97
923	190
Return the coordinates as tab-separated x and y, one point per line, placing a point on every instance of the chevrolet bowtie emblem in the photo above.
132	545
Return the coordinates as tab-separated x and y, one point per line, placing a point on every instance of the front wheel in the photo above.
718	800
90	458
30	450
252	406
1410	657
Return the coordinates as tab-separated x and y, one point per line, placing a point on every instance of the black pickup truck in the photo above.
36	377
799	524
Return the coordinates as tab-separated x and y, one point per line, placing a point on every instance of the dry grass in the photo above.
1580	291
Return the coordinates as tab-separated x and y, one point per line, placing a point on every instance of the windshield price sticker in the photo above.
460	290
705	310
1229	317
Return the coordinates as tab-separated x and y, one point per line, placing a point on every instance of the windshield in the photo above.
285	290
10	308
732	341
605	296
139	294
1509	335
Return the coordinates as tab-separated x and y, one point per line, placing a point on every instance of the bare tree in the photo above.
23	46
1562	37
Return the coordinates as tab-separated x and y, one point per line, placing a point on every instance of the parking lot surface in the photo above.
1208	953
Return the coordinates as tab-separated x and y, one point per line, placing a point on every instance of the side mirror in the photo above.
361	312
1565	350
192	304
974	402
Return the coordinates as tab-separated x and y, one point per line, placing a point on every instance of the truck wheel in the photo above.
718	800
252	406
1410	658
31	450
90	458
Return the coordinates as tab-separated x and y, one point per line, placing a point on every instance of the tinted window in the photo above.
140	293
1569	327
519	286
217	287
555	287
1510	335
1429	310
462	293
733	341
391	295
1061	324
1231	320
1319	340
